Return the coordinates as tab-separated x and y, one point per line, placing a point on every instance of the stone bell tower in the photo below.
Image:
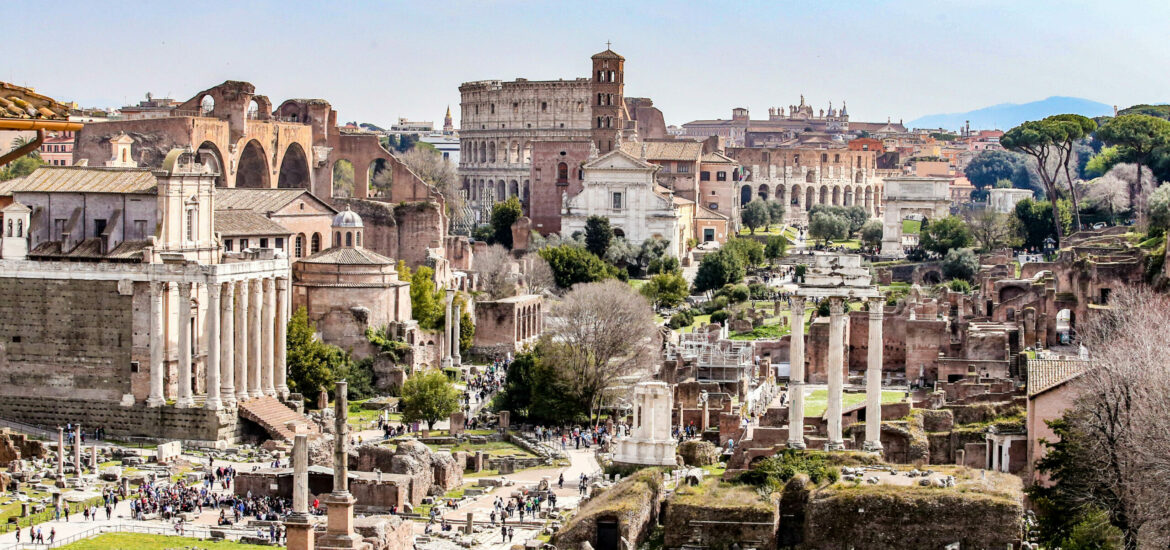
607	100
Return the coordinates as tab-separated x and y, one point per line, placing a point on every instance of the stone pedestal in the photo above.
651	443
458	423
299	532
505	420
339	531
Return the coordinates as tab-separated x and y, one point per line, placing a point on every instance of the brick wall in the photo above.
545	203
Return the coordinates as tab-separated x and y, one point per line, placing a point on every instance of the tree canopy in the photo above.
572	264
1137	137
312	364
504	214
428	397
824	226
427	303
989	166
754	215
717	269
945	234
598	235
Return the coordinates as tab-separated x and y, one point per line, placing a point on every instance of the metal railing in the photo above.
201	532
27	428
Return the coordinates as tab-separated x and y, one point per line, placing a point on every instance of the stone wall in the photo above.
632	503
720	516
160	423
65	339
544	207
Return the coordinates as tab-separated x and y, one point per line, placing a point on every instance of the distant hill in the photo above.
1008	115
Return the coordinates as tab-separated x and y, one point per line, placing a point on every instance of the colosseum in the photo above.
500	121
804	177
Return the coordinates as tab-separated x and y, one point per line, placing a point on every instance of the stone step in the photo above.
274	416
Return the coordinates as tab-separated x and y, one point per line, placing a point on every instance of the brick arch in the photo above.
252	170
294	168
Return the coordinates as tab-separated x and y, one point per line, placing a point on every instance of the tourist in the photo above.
503	535
52	535
561	481
511	533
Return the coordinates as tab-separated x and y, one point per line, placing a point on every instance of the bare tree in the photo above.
1121	415
539	275
990	228
599	336
499	274
430	165
1109	193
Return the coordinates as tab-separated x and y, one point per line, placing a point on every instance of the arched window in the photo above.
299	246
824	157
562	173
19	228
9	228
336	238
315	243
359	238
349	238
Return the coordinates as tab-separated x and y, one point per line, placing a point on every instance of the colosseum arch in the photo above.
492	152
810	196
252	169
824	195
779	194
208	148
745	194
294	169
796	196
501	191
848	199
763	192
836	195
513	189
342	179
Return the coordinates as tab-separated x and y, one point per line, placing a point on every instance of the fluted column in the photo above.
211	335
796	374
873	378
268	326
227	355
241	337
184	399
281	343
61	450
456	329
158	344
255	335
77	450
446	362
835	369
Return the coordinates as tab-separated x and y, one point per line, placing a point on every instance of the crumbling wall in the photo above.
885	517
720	515
632	502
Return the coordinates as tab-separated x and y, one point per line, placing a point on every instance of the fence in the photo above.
202	532
30	429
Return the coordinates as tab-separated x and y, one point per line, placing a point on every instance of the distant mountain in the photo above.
1008	115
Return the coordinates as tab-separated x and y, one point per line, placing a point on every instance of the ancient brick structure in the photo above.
507	324
807	175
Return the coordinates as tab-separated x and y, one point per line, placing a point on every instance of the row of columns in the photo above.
244	332
836	373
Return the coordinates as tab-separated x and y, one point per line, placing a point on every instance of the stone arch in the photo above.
342	179
810	196
780	196
824	194
810	176
513	189
848	199
527	152
315	243
252	169
932	276
501	191
869	200
795	195
253	111
619	232
492	152
836	195
745	194
206	105
294	169
208	149
763	192
380	177
482	151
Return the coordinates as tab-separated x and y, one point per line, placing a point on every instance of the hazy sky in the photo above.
378	60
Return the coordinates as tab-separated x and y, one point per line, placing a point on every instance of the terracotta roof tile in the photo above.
259	200
231	223
87	179
348	256
1045	374
20	102
665	150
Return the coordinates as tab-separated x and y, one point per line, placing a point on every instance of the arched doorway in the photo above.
780	194
824	195
745	194
294	169
206	105
763	192
796	196
836	196
381	178
252	170
810	196
342	179
1065	326
848	196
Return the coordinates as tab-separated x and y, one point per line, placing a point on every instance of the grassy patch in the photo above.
494	448
713	493
817	402
364	417
699	321
119	541
911	227
637	284
763	332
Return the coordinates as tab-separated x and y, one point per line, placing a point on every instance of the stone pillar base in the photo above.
282	392
872	447
155	402
793	444
835	446
299	531
339	532
213	404
186	403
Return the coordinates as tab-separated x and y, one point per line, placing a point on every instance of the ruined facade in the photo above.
803	177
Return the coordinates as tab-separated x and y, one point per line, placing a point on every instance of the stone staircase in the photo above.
276	418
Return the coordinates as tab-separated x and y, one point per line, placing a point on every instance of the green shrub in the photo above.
740	293
684	318
720	316
759	291
960	285
774	471
715	304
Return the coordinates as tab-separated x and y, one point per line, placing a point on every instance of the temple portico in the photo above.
838	279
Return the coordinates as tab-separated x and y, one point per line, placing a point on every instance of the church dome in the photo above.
347	218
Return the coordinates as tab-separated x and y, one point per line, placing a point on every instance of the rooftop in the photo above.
84	179
242	223
20	102
259	200
348	256
1045	374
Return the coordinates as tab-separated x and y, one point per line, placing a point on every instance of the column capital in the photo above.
876	307
282	283
157	287
185	289
267	284
213	289
836	305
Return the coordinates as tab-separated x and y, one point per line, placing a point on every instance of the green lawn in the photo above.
120	541
637	284
763	332
816	402
364	418
911	227
494	448
699	320
773	229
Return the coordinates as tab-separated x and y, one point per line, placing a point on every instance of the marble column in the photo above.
456	326
211	335
61	453
268	326
835	368
796	375
873	378
281	343
241	337
158	345
255	335
77	451
339	531
227	355
299	528
185	399
446	362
